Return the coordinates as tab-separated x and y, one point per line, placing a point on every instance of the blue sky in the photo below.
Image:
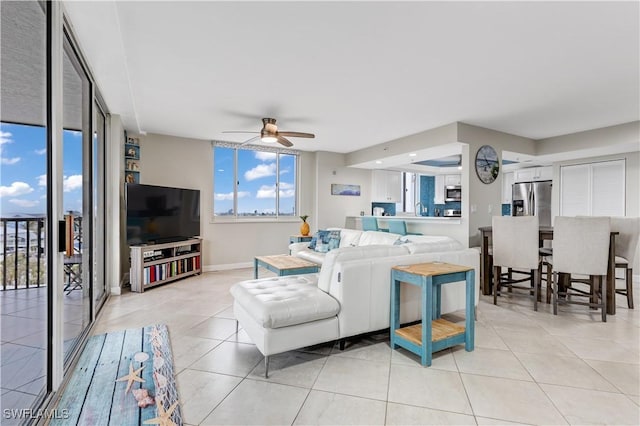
23	170
257	182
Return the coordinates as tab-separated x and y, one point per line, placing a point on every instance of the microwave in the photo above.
452	193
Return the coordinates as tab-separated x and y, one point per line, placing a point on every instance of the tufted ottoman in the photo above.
285	313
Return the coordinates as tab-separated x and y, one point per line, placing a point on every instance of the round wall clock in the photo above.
487	164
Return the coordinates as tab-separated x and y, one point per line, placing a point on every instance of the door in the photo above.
77	200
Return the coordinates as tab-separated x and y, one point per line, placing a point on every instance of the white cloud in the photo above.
265	156
266	191
72	182
287	190
24	203
42	151
5	137
260	171
16	189
42	180
229	196
9	161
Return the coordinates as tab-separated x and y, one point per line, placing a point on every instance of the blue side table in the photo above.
299	238
434	333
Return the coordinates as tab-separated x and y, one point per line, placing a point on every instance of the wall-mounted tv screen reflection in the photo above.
157	214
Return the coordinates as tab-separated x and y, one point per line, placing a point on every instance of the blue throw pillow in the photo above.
317	236
334	240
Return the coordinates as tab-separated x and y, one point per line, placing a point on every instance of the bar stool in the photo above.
628	229
400	227
581	246
369	223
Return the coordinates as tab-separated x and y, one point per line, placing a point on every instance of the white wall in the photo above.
486	199
332	210
188	163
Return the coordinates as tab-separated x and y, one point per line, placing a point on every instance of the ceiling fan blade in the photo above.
238	131
284	141
297	134
253	139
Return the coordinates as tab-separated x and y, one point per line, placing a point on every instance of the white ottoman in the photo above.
285	313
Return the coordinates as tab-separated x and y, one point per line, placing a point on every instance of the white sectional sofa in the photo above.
349	296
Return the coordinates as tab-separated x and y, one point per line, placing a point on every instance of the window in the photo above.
251	181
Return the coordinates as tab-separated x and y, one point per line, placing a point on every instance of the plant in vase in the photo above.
304	228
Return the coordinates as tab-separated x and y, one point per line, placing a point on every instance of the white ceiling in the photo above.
361	73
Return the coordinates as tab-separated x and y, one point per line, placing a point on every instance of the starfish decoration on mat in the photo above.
155	336
133	376
164	417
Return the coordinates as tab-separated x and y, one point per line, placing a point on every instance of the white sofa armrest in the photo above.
296	247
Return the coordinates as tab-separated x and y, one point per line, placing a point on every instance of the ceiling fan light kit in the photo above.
270	133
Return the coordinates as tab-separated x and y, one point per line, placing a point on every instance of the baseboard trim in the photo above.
227	266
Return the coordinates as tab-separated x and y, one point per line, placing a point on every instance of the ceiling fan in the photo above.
270	133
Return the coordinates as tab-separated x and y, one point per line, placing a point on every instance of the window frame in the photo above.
277	217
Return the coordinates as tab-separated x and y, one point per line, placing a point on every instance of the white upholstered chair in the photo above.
628	229
515	245
581	246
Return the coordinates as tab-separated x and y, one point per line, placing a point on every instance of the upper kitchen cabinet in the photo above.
532	174
387	186
452	180
507	187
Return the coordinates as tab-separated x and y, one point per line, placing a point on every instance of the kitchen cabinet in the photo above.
452	180
593	189
438	197
532	174
507	187
387	186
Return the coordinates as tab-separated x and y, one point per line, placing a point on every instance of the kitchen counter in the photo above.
410	219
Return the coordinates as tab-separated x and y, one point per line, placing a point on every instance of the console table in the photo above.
434	333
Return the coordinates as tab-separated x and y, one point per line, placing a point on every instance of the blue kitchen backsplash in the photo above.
506	210
389	208
428	193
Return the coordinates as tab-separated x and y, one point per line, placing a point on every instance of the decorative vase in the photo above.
304	229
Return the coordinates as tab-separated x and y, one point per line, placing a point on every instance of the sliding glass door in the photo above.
53	132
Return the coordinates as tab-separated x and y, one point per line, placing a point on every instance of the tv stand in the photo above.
156	264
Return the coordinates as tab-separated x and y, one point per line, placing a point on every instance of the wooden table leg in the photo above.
486	265
611	276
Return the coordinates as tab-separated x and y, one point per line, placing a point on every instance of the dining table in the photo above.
546	233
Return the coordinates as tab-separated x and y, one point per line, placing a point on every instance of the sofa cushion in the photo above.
376	237
348	237
354	253
437	244
284	301
311	256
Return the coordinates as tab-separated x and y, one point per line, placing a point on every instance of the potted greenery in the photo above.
304	228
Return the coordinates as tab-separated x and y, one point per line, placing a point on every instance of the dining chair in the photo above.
581	247
400	227
515	245
628	229
369	223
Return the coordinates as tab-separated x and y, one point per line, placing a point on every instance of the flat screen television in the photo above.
159	214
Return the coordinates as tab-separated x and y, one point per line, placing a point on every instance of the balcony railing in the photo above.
22	255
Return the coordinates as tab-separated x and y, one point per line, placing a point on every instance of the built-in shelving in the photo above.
131	160
155	264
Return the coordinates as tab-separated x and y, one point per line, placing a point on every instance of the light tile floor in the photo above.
528	367
23	339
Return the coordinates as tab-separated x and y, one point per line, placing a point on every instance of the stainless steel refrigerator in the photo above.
532	199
